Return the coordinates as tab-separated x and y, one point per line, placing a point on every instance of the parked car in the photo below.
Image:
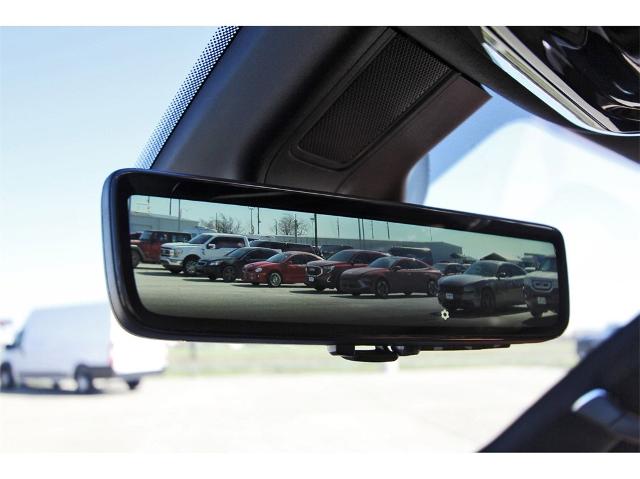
79	342
229	267
448	269
284	246
307	248
541	288
283	268
487	285
391	274
135	236
271	244
328	250
177	257
326	272
146	248
423	254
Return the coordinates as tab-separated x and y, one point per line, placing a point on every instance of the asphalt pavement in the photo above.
448	409
177	295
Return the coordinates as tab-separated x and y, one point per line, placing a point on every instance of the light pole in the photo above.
338	225
258	220
295	227
251	213
388	232
179	216
371	229
315	228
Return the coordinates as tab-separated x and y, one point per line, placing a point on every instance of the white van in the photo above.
79	342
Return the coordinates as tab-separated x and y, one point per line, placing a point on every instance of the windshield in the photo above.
549	264
342	256
238	253
146	235
200	239
384	262
440	266
278	258
482	268
502	161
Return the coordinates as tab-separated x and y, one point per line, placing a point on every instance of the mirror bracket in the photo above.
382	354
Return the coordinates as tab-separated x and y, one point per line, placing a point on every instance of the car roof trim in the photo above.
200	71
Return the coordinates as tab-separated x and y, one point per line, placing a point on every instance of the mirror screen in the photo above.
219	260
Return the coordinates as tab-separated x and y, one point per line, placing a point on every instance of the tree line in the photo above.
286	225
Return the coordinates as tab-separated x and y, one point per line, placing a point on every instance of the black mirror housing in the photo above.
311	318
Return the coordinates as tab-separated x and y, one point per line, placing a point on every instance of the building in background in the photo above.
441	251
147	221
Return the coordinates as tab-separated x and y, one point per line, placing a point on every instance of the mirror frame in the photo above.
136	319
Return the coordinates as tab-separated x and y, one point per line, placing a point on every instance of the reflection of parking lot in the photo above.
178	295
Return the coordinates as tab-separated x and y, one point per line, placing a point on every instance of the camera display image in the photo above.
203	260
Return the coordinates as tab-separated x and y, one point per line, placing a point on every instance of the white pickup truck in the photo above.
178	257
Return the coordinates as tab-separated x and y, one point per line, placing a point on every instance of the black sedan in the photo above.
485	286
229	267
451	268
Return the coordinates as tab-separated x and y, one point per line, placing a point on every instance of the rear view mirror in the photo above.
190	294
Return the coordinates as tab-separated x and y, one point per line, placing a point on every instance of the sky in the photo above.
78	103
75	105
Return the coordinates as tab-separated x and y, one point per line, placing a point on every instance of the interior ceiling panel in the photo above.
320	108
388	87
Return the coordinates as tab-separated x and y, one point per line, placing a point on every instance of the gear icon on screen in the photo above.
444	314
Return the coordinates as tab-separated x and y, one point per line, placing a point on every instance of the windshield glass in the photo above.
384	262
482	268
200	239
549	264
278	258
341	256
440	266
238	253
146	235
502	161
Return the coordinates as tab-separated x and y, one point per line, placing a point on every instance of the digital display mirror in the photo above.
227	260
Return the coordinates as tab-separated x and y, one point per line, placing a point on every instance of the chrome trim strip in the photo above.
522	65
199	72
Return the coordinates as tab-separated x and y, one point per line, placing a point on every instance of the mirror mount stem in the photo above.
383	354
380	354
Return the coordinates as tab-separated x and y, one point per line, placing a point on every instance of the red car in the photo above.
392	274
146	248
326	273
283	268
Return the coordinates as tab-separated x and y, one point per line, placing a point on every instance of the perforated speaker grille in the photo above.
400	75
196	77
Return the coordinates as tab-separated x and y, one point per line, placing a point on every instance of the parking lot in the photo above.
178	295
